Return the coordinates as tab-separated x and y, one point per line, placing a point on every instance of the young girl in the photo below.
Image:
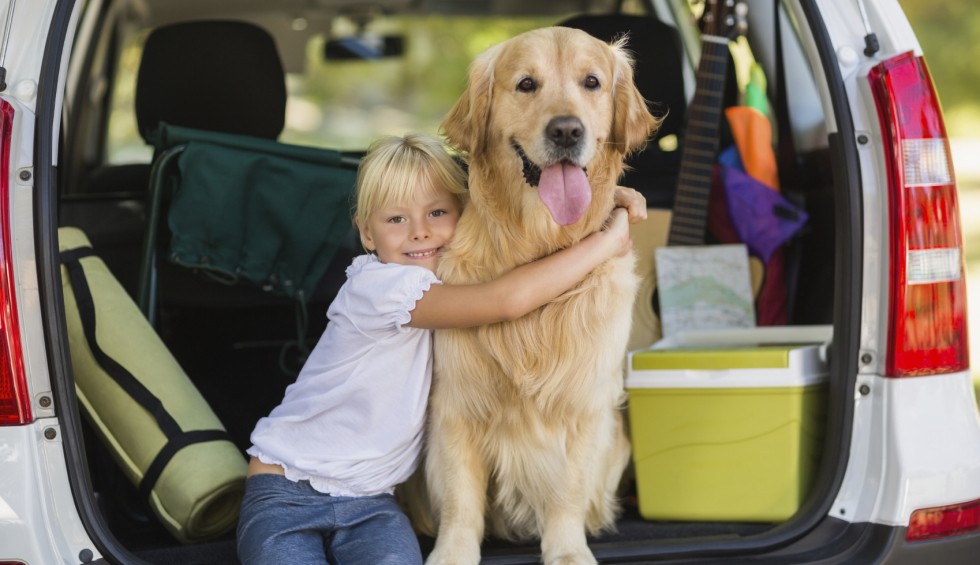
326	460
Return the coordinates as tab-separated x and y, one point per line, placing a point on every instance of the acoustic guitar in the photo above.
686	223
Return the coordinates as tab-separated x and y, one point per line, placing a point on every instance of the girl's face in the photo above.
413	233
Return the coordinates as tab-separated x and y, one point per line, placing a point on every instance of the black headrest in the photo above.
220	76
658	54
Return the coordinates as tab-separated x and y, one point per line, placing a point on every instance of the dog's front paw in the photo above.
454	554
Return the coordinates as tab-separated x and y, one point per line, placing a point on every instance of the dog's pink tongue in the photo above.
565	190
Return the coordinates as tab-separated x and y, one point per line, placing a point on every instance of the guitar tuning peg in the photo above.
741	16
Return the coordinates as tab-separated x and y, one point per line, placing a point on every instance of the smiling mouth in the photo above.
424	254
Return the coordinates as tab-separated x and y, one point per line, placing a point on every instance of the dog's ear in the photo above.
633	124
466	124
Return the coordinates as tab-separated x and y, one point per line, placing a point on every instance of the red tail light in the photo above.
944	521
15	406
927	310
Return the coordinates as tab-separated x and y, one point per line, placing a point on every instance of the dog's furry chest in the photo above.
564	356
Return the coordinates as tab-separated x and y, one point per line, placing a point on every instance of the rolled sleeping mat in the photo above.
156	424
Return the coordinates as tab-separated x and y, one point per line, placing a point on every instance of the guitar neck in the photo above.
690	210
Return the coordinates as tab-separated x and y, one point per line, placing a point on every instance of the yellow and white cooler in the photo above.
728	425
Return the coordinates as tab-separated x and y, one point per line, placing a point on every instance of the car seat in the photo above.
223	76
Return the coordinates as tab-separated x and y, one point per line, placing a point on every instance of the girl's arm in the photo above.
525	288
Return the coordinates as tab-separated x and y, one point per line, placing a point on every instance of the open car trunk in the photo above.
240	345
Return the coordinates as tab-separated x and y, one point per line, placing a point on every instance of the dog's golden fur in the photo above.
526	429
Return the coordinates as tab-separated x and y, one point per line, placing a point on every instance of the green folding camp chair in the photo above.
241	209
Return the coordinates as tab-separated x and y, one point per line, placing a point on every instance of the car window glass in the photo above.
346	104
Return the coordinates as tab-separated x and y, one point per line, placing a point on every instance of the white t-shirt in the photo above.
352	422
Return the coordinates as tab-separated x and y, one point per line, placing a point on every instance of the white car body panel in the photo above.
25	46
901	462
37	524
38	520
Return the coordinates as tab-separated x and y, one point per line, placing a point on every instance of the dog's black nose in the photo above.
565	131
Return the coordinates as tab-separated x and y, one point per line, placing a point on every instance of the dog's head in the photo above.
552	102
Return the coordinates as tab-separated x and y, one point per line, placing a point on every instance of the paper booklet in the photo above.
704	287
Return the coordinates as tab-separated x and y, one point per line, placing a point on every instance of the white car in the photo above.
124	418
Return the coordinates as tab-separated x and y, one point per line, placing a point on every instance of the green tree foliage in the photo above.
949	33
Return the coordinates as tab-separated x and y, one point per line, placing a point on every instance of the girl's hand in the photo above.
633	201
616	231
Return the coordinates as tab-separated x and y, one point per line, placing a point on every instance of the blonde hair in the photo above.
395	169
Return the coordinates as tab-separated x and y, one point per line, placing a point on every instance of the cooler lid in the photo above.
714	359
752	357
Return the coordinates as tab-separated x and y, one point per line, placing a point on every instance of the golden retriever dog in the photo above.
526	428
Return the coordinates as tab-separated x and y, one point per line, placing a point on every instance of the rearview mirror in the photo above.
364	47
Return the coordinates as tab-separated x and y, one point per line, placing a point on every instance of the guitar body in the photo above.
647	237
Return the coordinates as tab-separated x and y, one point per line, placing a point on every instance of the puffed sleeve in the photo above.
381	295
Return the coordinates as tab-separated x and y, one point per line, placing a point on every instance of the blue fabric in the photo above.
282	521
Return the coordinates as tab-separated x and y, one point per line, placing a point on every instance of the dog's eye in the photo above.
527	84
591	82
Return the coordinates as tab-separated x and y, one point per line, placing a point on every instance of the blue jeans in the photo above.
282	521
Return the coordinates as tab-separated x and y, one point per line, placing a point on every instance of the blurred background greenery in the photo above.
949	33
